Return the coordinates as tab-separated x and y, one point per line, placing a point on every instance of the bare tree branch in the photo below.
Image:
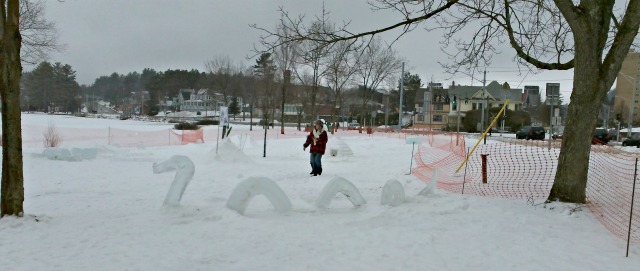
628	30
39	36
326	37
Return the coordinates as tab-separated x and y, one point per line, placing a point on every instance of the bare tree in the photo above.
285	57
313	55
313	60
265	70
12	193
39	36
25	36
342	65
302	96
223	70
379	64
592	37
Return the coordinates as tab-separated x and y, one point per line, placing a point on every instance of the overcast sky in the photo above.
106	36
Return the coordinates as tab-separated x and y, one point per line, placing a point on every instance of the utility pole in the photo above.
504	113
484	82
141	101
553	94
458	122
400	104
430	100
386	110
285	84
551	121
631	102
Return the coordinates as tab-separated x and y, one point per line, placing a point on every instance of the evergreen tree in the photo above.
234	108
51	87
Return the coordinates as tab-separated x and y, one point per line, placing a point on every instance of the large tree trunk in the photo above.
590	85
573	163
12	194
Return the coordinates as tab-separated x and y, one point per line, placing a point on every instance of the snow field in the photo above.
106	214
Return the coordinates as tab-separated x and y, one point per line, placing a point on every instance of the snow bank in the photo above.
247	189
339	185
185	170
392	193
76	154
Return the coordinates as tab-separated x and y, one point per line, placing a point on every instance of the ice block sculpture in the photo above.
339	185
392	193
185	170
247	189
429	190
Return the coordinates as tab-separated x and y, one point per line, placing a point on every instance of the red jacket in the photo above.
321	142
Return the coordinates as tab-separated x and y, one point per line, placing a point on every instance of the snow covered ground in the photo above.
107	214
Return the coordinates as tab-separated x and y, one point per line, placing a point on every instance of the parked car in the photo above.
354	126
634	140
613	134
262	122
531	132
557	132
600	136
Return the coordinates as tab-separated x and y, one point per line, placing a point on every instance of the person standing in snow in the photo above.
317	138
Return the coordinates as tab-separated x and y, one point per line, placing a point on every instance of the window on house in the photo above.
437	118
438	107
474	106
421	118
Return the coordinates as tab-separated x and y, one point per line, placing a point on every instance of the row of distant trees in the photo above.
54	85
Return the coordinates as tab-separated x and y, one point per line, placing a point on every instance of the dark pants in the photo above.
316	163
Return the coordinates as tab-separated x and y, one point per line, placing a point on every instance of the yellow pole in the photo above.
483	135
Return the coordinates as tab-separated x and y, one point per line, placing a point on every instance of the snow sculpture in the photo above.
185	170
432	185
57	154
339	148
247	189
339	185
85	153
392	193
229	152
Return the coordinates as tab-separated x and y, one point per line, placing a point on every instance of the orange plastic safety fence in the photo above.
526	170
165	137
33	136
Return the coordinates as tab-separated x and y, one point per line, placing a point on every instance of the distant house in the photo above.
297	95
495	95
198	100
183	95
103	107
473	98
432	107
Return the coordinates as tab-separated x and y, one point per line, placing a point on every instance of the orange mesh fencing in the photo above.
526	170
33	136
166	137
